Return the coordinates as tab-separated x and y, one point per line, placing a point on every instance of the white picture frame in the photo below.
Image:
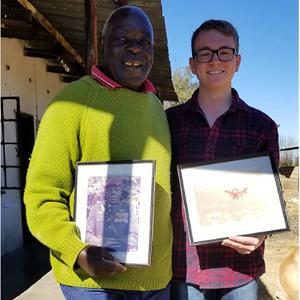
114	203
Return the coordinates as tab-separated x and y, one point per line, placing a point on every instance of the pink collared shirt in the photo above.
147	86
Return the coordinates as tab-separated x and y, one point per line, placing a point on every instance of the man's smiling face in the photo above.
215	73
128	48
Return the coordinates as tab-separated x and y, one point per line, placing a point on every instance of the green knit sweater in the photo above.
89	122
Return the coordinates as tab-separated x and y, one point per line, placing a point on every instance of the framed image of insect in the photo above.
233	196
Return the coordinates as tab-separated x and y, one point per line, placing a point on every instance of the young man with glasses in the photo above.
216	123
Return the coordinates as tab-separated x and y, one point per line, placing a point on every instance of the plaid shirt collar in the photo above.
237	103
147	86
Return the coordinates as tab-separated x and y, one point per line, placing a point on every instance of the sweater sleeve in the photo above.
50	181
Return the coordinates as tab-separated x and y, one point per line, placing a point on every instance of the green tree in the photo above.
183	84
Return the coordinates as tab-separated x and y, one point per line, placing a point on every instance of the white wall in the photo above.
27	78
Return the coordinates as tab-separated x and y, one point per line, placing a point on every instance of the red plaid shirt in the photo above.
241	130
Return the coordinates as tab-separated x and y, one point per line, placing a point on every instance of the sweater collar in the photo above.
97	74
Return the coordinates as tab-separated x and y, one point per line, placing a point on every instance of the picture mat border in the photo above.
144	168
275	178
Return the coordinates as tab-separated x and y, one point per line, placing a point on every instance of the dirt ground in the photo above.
277	245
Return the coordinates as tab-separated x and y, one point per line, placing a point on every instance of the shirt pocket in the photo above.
187	148
244	145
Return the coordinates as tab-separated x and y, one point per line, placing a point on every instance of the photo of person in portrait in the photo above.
112	220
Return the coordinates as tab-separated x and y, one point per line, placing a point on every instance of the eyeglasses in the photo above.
206	55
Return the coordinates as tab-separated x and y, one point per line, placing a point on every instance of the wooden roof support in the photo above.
120	2
41	53
51	29
91	38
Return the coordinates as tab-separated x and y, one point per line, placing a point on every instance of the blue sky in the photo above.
268	30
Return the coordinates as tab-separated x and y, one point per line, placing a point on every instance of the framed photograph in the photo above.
236	196
114	204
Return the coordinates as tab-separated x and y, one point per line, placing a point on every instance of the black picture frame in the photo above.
239	195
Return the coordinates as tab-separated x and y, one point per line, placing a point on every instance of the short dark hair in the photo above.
222	26
125	11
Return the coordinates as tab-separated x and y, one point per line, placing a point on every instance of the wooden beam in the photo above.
68	79
51	29
41	53
62	70
21	33
91	51
120	2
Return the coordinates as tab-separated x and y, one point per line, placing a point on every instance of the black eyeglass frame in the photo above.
234	52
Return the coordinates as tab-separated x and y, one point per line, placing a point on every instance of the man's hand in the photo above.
98	263
244	244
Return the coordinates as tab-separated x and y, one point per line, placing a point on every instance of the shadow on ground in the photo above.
23	267
263	293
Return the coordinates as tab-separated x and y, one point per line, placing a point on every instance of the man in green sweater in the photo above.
111	115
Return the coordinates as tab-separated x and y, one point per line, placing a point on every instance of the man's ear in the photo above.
192	65
237	62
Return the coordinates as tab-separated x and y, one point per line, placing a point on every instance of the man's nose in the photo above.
215	57
134	46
